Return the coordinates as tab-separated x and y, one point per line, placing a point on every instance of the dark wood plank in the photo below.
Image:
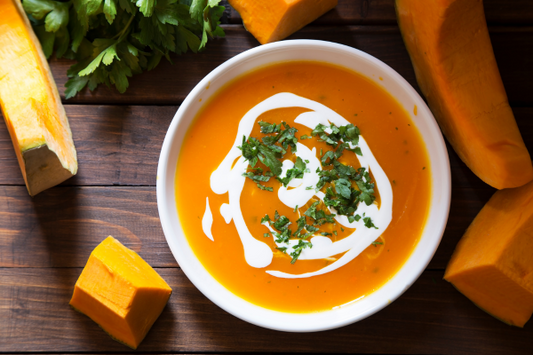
61	226
509	12
116	145
351	12
169	84
431	318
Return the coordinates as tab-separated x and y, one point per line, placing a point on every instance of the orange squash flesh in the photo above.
122	293
492	264
31	105
270	21
450	49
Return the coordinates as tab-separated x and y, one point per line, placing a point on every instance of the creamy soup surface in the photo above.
279	242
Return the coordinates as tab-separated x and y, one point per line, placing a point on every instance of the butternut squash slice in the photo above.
492	264
273	20
122	293
450	49
31	105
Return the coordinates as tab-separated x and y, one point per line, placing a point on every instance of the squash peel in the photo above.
31	105
450	49
122	293
492	262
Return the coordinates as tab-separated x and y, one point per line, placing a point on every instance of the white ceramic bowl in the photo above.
317	51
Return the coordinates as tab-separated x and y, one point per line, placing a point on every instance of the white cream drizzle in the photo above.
227	178
225	211
207	220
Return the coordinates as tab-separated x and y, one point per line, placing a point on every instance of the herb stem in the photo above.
123	33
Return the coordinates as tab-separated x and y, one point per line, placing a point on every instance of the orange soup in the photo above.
341	218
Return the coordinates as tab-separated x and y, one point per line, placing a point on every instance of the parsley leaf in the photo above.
343	188
295	173
111	40
266	188
368	223
298	248
268	128
269	152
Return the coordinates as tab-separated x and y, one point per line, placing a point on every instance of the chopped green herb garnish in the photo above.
302	244
282	223
266	188
295	173
257	177
268	151
268	128
368	223
311	211
345	187
328	158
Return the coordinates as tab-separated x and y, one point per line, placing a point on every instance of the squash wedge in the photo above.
273	20
31	105
492	263
454	63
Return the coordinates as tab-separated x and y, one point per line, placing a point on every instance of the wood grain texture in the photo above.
169	84
116	145
429	317
60	227
374	12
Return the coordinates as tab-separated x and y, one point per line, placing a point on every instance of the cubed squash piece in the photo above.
455	67
493	263
122	293
31	105
270	21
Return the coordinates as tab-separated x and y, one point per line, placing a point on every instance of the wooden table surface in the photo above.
46	240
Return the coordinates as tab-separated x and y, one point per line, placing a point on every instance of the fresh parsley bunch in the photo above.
113	39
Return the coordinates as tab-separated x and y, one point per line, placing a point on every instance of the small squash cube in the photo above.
122	293
270	21
492	264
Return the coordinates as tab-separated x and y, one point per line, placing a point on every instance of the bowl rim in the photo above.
339	316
